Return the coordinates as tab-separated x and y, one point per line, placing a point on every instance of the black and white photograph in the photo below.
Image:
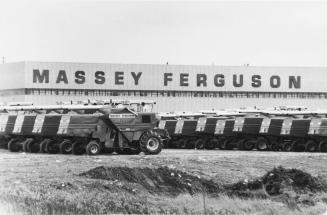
163	107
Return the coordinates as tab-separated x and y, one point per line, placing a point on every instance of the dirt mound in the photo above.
162	180
298	181
286	185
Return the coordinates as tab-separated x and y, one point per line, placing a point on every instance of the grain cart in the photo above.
106	130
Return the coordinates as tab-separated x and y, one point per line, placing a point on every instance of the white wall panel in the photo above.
12	75
152	78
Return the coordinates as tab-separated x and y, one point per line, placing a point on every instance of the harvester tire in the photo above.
287	147
51	148
43	144
183	144
66	147
13	145
311	146
78	148
274	146
323	146
221	144
24	145
33	146
262	144
249	145
3	143
211	144
199	143
229	144
179	143
93	148
298	146
152	146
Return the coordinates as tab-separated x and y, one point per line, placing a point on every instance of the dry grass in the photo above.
31	184
114	203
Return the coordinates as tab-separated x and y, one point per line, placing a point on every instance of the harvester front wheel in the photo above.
93	148
152	145
13	145
66	147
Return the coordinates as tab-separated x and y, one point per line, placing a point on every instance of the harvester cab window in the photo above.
146	119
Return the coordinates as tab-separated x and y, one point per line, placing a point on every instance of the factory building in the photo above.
173	87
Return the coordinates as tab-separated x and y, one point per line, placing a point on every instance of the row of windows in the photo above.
83	92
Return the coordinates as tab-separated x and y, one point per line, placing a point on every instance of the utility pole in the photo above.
3	60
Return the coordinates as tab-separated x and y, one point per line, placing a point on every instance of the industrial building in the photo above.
173	87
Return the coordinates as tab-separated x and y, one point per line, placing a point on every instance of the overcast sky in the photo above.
220	33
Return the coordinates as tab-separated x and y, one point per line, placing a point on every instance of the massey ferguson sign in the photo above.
184	80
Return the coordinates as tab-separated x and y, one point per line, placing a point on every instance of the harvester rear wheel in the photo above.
211	144
66	147
51	147
179	143
249	145
33	146
287	146
78	148
323	146
13	145
43	144
153	145
274	146
24	145
3	143
262	144
311	146
221	143
93	148
229	144
200	143
298	146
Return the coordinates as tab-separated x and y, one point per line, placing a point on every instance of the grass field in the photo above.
189	182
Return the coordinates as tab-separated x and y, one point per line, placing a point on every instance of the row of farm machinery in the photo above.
127	127
263	130
116	126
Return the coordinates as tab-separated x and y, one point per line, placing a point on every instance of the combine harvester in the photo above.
263	130
92	128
